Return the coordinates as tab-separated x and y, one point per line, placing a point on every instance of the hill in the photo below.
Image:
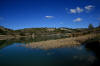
34	32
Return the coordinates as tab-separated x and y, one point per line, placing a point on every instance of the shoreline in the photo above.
61	42
5	37
57	43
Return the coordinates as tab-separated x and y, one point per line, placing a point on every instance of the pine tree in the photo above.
90	26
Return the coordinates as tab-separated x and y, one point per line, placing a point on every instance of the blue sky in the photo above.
19	14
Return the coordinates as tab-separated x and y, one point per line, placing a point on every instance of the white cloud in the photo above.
77	20
89	7
76	10
73	11
49	17
80	10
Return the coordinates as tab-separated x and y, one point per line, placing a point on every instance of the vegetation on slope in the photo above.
48	31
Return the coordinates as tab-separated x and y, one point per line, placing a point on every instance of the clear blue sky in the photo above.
19	14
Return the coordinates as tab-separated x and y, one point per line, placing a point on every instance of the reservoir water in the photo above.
14	53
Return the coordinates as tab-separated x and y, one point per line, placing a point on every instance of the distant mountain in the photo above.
4	30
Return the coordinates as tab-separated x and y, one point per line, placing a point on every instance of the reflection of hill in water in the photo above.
51	47
4	43
24	40
61	42
72	51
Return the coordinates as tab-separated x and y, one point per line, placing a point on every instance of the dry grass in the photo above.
60	42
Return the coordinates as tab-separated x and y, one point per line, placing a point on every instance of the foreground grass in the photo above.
61	42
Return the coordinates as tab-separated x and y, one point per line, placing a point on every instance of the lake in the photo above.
14	53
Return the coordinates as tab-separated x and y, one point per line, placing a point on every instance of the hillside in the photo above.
38	31
5	31
34	32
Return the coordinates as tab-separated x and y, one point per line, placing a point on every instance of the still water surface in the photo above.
12	53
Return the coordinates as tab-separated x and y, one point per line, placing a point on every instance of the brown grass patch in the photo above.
61	42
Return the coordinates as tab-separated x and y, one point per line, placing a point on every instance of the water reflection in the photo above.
26	40
94	46
4	43
17	52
